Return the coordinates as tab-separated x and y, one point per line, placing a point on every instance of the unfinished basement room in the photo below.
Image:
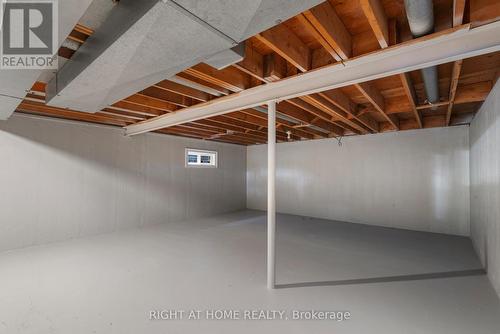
250	166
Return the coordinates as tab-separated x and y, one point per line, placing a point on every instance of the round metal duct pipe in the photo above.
420	16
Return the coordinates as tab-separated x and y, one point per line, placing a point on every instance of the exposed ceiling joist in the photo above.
458	12
449	45
455	74
377	100
458	16
410	93
228	78
320	18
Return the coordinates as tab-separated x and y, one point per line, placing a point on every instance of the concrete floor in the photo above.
391	281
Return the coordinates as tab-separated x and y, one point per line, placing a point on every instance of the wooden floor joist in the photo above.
337	39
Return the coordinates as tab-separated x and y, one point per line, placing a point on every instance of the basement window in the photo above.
201	158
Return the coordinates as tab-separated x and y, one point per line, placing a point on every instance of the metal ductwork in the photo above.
143	42
420	15
227	57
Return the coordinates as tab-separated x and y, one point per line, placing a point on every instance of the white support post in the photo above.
271	194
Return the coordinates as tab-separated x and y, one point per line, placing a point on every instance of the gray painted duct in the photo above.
143	42
421	20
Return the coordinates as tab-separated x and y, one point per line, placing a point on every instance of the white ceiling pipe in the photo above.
443	47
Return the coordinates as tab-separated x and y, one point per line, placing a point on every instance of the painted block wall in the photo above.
485	184
416	180
61	181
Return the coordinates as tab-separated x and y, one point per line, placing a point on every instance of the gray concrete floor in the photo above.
391	281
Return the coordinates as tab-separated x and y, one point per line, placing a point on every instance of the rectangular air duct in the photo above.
144	42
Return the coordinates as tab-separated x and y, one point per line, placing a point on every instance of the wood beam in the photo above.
233	139
249	118
484	11
218	131
65	52
228	78
405	77
339	99
296	113
250	124
458	16
301	133
374	12
434	49
329	125
178	132
274	68
306	119
476	92
210	86
268	68
183	90
44	110
253	63
367	121
455	75
410	94
254	120
214	123
135	108
317	35
386	33
458	12
321	108
326	105
327	23
320	57
189	129
285	43
83	29
284	124
343	102
231	120
168	96
303	102
392	26
118	117
148	101
126	114
377	100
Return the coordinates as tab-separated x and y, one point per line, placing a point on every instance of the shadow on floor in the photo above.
401	278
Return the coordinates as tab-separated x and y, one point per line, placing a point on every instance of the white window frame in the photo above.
199	153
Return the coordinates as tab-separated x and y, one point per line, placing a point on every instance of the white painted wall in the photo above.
61	181
485	184
415	180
